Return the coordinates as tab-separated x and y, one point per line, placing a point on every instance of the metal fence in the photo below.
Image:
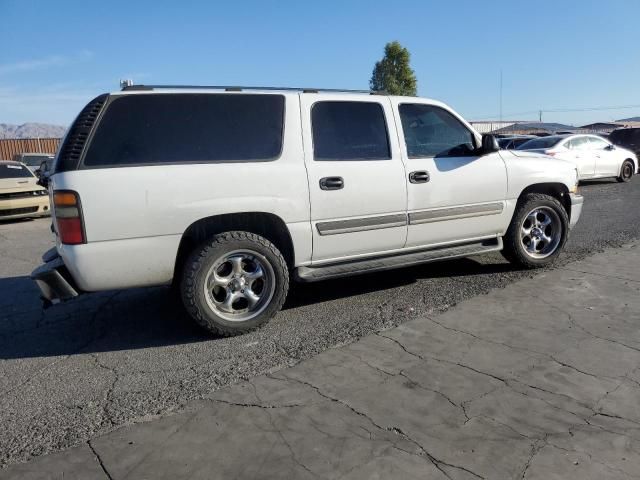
490	126
12	146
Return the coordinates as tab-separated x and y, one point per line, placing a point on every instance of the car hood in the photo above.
19	184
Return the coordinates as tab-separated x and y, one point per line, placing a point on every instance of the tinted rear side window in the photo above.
187	128
349	131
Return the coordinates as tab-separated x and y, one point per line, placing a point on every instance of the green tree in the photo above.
393	74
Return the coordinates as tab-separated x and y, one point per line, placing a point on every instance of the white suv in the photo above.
227	192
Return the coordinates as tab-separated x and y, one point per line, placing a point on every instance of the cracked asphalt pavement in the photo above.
538	380
110	359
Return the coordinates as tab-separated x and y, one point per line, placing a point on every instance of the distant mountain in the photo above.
632	119
31	130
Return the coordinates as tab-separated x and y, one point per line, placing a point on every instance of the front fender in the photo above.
525	170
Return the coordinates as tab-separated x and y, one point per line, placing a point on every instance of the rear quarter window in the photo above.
188	128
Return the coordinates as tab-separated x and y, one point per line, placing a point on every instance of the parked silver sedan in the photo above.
593	156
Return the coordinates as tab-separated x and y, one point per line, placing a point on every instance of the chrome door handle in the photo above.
420	176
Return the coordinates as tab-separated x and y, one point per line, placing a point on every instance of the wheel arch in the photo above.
557	190
267	225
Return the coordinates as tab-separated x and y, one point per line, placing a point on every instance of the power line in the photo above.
559	110
590	109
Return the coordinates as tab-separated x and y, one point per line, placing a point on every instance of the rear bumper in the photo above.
576	208
53	279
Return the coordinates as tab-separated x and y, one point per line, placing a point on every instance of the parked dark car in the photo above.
628	138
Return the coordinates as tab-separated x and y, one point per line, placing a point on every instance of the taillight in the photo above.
68	215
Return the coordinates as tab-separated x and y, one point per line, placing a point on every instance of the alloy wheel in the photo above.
541	232
239	285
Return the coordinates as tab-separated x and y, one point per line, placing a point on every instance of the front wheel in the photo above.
234	283
538	231
626	172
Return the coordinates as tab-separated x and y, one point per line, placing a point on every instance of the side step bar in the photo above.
314	274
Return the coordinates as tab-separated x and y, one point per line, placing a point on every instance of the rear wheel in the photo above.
234	283
538	231
626	172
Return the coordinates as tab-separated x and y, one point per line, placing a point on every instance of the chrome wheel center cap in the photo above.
238	284
536	232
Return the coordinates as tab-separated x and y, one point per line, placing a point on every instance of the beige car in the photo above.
20	195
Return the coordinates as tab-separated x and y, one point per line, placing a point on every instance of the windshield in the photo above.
540	143
34	160
14	171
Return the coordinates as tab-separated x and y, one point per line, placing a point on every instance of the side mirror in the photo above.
610	147
489	143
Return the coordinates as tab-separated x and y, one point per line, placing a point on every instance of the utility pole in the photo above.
500	96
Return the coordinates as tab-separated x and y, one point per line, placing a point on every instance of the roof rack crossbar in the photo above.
236	88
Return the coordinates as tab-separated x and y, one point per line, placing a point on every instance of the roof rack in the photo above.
235	88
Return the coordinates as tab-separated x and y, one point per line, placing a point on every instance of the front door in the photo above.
607	159
454	195
356	176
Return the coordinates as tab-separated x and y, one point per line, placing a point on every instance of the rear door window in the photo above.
188	128
579	143
344	130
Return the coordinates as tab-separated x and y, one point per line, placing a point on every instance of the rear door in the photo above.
356	176
581	153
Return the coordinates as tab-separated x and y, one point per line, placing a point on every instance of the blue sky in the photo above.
569	54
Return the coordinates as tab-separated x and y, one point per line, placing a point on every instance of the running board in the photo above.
314	274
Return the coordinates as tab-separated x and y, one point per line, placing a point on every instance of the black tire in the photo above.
197	270
627	171
514	248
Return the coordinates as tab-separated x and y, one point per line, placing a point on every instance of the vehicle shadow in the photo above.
153	317
303	294
8	221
